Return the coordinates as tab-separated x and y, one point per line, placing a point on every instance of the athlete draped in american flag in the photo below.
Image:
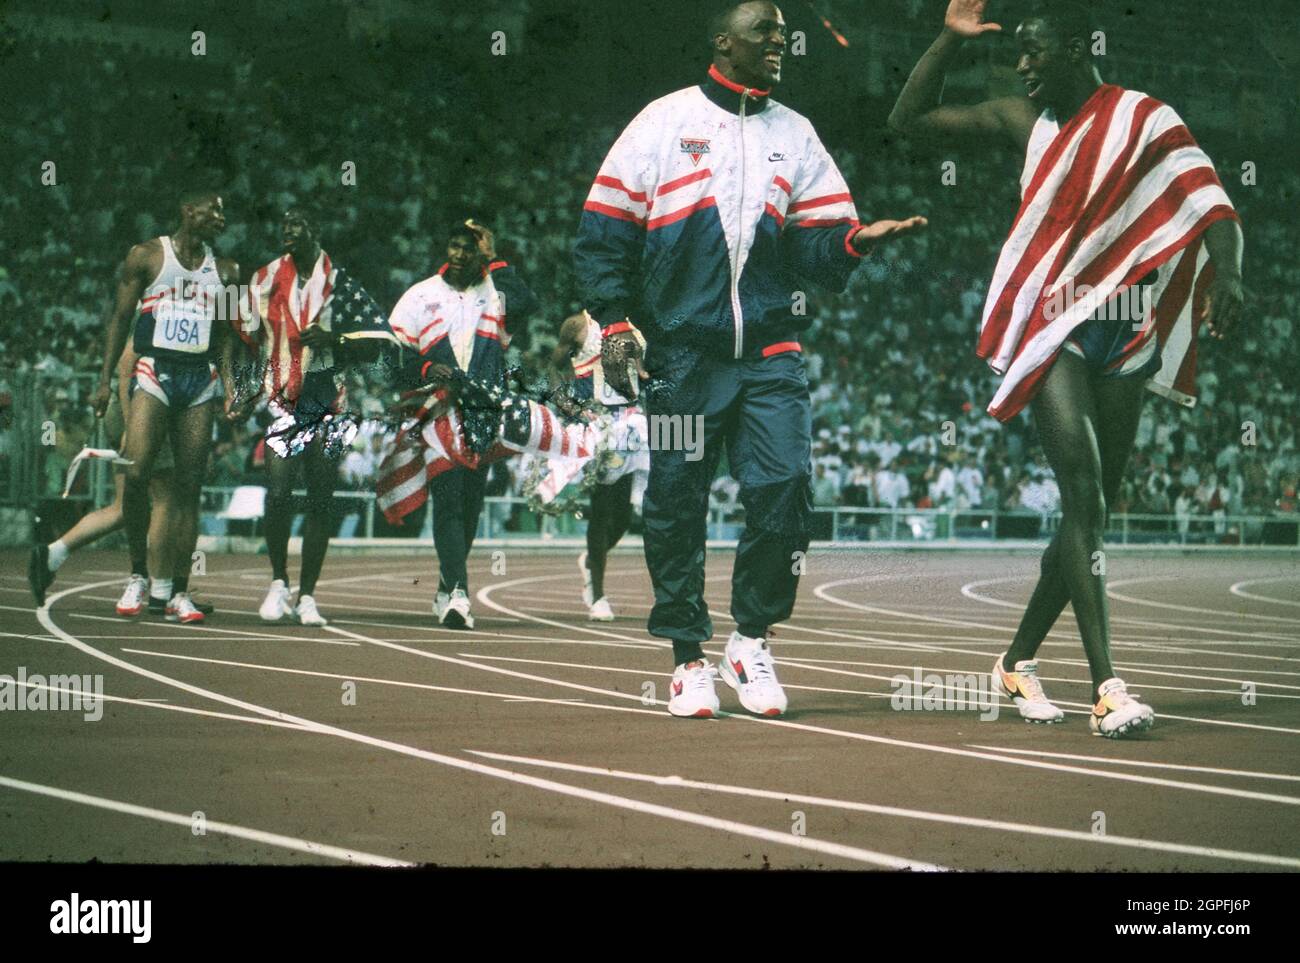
1116	196
462	318
301	305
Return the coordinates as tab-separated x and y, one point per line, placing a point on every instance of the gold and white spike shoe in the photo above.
1024	689
1117	713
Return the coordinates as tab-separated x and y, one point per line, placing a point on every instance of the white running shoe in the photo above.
692	693
747	667
182	609
1117	713
306	612
276	604
1024	689
440	603
588	596
134	597
600	611
456	615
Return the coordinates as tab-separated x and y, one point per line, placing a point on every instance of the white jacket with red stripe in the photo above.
712	209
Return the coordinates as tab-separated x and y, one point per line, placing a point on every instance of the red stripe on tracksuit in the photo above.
610	211
675	216
682	181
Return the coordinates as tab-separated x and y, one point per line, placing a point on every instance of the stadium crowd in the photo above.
898	393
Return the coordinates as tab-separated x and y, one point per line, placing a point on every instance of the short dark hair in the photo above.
720	16
1067	19
307	212
195	195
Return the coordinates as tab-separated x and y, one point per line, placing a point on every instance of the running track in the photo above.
541	739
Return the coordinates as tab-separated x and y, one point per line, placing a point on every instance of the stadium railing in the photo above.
510	520
48	420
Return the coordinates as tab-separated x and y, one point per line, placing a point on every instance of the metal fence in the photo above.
48	421
510	518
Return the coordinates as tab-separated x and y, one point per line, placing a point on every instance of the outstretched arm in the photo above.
919	109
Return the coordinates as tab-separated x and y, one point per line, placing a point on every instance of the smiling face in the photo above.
753	44
1047	61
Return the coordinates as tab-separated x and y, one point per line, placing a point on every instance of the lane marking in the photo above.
1028	829
1186	608
754	832
212	825
1238	588
1247	773
164	704
902	743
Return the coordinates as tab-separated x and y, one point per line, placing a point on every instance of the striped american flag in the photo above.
278	309
1120	191
434	442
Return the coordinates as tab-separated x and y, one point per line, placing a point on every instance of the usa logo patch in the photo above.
696	147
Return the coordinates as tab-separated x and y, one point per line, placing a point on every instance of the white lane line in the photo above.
621	802
817	663
999	825
1186	608
26	636
1083	707
1239	589
644	673
213	826
903	743
1265	638
1245	773
399	683
821	591
811	661
484	595
163	704
459	635
265	636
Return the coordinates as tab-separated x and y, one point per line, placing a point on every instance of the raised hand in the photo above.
486	239
966	18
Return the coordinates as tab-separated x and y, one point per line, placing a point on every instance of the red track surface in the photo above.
495	747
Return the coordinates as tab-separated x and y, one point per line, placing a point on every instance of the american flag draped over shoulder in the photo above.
1120	191
278	310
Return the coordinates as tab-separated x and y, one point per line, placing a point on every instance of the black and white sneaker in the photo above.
456	614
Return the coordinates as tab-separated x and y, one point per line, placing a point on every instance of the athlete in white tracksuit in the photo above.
714	207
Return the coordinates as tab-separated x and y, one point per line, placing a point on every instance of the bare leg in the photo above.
95	525
147	423
162	514
1087	426
191	443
